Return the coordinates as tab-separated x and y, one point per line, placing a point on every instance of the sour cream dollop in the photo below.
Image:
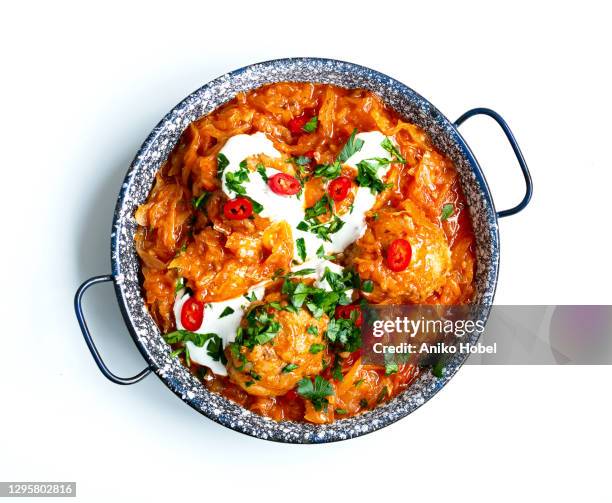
225	327
291	209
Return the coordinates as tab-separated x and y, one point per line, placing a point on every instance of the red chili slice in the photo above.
192	314
339	188
296	124
399	254
284	184
345	312
238	209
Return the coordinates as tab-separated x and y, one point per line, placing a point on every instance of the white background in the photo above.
81	89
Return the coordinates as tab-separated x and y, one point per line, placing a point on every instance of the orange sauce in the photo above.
208	249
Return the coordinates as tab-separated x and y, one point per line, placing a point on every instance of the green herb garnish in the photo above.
316	348
257	207
312	330
337	370
261	169
316	392
387	144
391	368
447	211
235	179
289	367
311	222
367	174
344	332
226	312
251	298
214	343
328	171
352	146
311	125
260	328
222	163
301	247
177	352
367	286
197	202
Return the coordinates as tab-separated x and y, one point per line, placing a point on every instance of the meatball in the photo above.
428	268
275	367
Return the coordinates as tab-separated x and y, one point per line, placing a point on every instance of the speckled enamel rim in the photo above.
138	183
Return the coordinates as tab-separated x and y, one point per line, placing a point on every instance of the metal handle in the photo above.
517	151
78	308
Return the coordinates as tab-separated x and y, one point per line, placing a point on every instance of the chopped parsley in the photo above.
261	169
197	202
331	171
316	392
328	171
257	207
391	368
316	348
367	286
222	163
289	368
177	352
251	298
337	370
311	125
226	312
180	284
367	174
447	211
301	247
321	254
343	332
312	330
214	343
317	300
341	412
387	144
311	222
235	179
352	146
439	368
302	272
260	328
321	207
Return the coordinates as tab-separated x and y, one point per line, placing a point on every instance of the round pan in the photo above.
139	180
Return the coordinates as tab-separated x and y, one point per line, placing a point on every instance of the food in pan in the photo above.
274	219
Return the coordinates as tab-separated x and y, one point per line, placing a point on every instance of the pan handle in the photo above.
517	152
78	308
